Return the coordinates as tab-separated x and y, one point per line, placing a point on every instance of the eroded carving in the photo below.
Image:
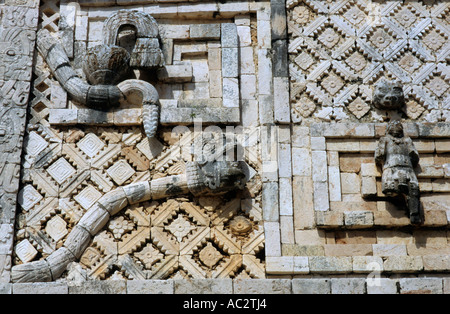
107	65
398	157
388	96
127	27
206	178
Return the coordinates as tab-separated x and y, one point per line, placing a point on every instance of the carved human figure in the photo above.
398	157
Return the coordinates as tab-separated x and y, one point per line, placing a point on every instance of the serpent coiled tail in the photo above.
101	95
150	118
138	92
96	96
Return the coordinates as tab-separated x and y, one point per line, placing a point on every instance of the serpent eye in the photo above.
11	52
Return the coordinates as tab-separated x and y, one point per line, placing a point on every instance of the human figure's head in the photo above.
395	128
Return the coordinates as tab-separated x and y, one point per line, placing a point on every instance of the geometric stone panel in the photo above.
28	197
56	228
61	170
338	51
91	145
25	251
79	163
36	144
120	172
87	197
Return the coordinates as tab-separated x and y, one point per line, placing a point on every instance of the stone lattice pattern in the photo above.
67	169
339	50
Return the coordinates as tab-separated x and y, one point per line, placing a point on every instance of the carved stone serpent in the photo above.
100	96
211	178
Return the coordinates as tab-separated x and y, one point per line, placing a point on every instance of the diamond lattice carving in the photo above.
61	170
120	172
88	196
56	228
209	255
340	50
28	197
36	144
180	228
91	145
70	168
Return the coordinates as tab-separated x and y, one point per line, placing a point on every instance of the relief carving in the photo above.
107	64
77	179
388	96
398	157
210	178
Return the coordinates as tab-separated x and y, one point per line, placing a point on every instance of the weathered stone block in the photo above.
203	286
321	200
330	264
301	162
421	285
63	116
310	237
177	73
367	264
319	166
302	191
351	183
100	287
281	100
348	249
358	219
5	288
41	288
273	238
95	117
123	117
230	62
311	286
436	262
270	205
381	286
286	197
348	285
262	286
389	250
368	186
302	250
329	219
230	90
229	36
403	264
334	181
205	31
150	287
280	265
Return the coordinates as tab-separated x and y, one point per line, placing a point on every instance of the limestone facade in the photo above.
290	87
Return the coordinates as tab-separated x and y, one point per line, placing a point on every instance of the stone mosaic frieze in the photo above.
76	155
338	51
106	112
